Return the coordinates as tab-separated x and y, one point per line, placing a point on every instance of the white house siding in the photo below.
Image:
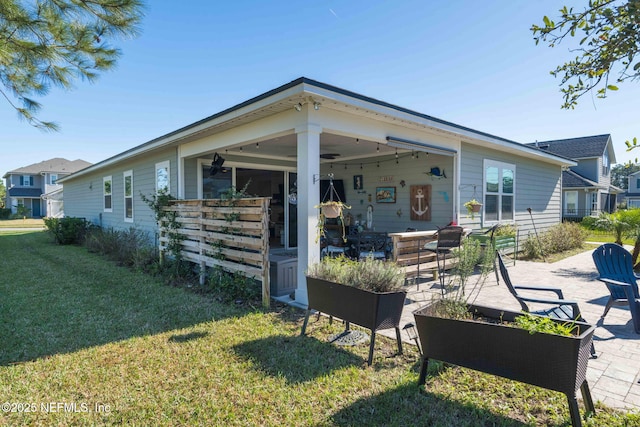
83	196
537	186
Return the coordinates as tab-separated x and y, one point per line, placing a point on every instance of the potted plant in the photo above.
368	293
489	340
473	207
331	209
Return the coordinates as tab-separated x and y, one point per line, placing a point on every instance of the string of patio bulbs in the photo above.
413	155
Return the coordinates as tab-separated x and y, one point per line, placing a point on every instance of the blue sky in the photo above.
473	63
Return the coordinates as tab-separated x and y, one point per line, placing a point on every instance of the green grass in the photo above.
126	350
21	223
601	237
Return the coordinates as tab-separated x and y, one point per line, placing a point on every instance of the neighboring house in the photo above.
586	187
34	190
632	196
397	168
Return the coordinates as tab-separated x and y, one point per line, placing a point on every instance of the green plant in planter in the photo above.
473	206
462	281
370	274
544	325
331	209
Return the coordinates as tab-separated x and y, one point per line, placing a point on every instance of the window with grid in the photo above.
106	192
499	187
128	196
162	176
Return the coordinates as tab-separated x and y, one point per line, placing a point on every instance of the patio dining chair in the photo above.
448	238
372	244
556	308
615	268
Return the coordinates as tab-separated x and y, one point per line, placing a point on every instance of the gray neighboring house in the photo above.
632	196
586	187
36	186
285	142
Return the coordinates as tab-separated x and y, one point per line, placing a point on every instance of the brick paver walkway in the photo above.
614	377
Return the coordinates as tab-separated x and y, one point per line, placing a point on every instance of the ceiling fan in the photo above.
329	156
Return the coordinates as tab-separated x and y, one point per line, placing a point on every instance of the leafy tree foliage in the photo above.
609	32
45	43
3	193
620	173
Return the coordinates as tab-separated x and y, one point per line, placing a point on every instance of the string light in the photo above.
257	145
361	165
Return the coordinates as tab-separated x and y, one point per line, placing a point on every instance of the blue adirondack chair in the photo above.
615	267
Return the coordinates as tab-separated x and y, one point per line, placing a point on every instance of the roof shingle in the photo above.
575	148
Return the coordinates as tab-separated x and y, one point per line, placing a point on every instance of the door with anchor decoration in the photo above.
420	199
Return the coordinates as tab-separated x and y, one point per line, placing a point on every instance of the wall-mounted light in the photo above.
298	106
316	105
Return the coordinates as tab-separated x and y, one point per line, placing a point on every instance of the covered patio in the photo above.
398	169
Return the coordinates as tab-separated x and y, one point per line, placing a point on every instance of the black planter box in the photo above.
371	310
546	360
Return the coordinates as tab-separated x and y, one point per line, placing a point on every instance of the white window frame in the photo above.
166	165
53	178
26	180
606	164
566	200
105	193
127	197
501	167
592	202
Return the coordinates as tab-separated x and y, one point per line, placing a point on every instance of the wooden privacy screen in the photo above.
420	200
232	234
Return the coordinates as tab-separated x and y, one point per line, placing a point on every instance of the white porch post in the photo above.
308	197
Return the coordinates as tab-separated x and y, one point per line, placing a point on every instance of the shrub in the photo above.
67	231
589	222
131	248
233	287
559	238
5	213
369	274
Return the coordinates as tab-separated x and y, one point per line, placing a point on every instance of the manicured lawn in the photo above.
22	223
84	342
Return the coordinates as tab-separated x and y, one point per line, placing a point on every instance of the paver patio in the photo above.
614	377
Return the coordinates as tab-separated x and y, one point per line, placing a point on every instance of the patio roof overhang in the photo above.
308	92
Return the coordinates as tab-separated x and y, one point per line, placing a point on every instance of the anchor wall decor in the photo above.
420	200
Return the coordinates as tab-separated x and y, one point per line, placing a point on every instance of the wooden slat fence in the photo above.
232	234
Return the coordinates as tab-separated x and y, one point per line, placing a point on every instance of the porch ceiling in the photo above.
333	148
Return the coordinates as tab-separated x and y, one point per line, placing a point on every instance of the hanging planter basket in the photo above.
476	208
331	210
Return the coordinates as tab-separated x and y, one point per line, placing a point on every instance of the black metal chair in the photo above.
449	237
372	244
561	308
615	267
